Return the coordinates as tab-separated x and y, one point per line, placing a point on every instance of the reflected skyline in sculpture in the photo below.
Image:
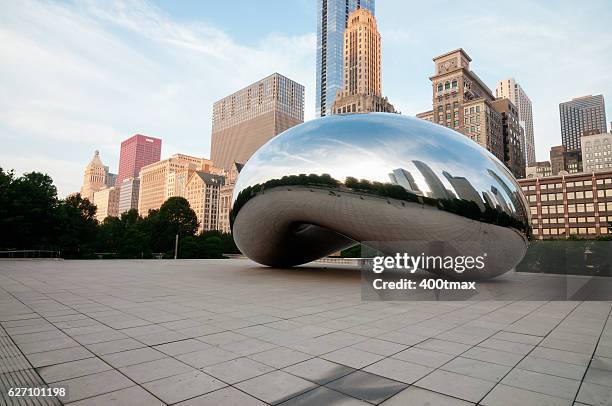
399	167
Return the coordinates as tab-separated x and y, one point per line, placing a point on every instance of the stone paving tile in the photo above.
280	357
227	397
419	396
424	357
557	368
182	347
47	345
319	370
109	347
456	385
131	357
275	387
559	355
398	370
132	396
237	370
507	346
593	394
380	347
41	359
180	387
152	370
542	383
503	395
209	356
447	347
365	386
92	385
601	363
494	356
73	369
518	338
598	376
352	357
477	369
323	396
247	347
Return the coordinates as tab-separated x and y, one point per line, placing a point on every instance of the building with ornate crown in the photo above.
94	177
362	90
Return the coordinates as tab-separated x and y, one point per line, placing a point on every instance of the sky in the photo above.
79	76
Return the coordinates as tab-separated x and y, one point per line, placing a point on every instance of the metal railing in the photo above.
30	254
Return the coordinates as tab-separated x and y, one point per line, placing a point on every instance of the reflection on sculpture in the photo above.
399	183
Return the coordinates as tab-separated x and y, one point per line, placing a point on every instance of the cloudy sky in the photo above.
83	75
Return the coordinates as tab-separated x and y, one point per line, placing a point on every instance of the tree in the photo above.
28	202
174	217
77	226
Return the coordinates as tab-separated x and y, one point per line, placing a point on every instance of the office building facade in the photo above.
247	119
539	169
332	20
462	101
578	205
362	85
510	89
202	193
580	115
128	194
596	152
136	152
167	178
225	197
107	203
563	161
512	133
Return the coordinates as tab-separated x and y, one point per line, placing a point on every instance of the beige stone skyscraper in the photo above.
361	92
94	177
107	203
168	178
247	119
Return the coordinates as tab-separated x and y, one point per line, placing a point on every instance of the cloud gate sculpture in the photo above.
395	183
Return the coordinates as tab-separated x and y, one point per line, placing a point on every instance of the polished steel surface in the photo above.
397	183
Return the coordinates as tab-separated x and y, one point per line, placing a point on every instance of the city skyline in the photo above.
92	97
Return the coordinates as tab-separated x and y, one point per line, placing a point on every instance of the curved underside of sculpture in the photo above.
395	183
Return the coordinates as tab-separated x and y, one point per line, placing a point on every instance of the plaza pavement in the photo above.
198	332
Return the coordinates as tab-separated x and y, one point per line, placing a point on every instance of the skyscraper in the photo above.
136	152
164	179
332	19
361	89
509	89
128	194
202	193
463	102
94	177
513	134
579	115
107	203
597	152
247	119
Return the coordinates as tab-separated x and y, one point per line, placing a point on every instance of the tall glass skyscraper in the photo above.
332	17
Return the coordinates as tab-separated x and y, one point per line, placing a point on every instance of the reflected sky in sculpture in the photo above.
372	146
322	185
